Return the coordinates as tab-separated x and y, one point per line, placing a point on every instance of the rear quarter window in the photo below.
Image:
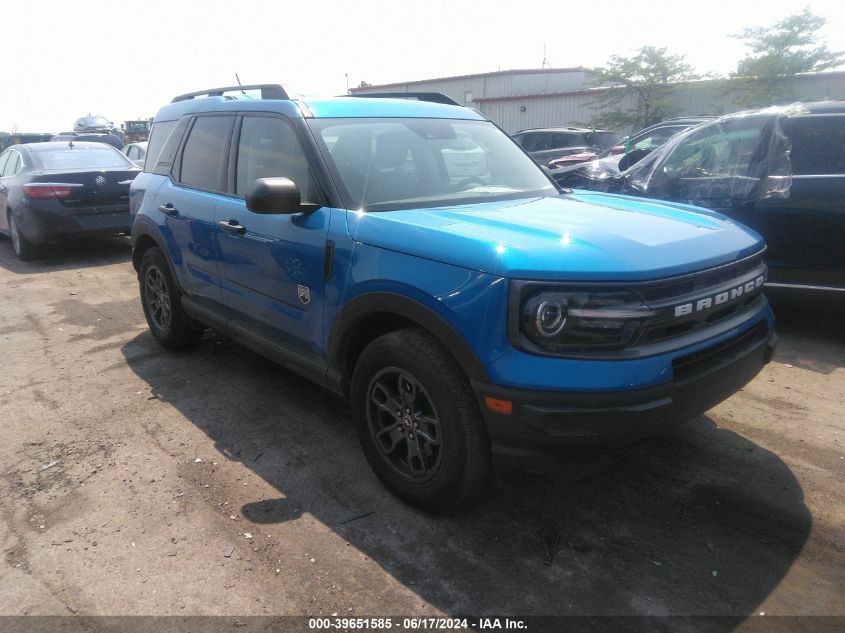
158	137
818	144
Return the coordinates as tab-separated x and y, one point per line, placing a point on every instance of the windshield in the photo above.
91	121
97	157
137	127
406	163
603	140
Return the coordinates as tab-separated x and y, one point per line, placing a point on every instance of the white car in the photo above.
136	152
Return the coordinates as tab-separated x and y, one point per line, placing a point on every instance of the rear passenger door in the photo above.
806	231
272	266
187	201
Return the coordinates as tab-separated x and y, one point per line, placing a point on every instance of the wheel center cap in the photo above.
406	421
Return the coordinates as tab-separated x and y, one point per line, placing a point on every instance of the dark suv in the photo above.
779	171
410	256
94	124
547	144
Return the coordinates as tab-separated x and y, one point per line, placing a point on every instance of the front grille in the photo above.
666	297
696	282
661	332
697	363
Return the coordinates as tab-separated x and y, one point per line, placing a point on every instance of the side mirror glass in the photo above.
274	196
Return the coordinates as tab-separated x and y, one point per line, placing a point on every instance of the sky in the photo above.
125	60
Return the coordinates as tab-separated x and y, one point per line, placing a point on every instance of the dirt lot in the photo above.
129	473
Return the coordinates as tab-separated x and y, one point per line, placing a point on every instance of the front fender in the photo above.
355	311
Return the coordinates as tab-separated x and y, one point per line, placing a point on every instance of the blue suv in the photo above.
408	255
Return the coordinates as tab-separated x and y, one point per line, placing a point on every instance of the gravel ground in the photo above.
141	481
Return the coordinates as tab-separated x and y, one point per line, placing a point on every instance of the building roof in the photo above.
516	71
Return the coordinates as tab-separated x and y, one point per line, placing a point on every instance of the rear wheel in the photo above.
418	422
24	249
162	302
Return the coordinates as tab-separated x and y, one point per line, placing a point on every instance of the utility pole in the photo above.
545	63
347	82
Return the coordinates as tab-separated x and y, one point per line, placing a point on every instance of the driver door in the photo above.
271	267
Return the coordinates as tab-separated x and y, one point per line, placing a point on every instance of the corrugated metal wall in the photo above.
517	100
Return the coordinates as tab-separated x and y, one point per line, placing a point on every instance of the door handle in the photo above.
232	226
168	209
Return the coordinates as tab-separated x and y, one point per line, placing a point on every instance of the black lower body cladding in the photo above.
543	424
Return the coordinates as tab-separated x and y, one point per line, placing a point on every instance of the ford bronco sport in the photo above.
410	256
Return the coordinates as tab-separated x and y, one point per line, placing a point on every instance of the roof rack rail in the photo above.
433	97
268	91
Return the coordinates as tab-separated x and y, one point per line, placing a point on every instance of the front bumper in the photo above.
543	424
45	225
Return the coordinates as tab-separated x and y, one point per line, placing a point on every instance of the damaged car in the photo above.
779	171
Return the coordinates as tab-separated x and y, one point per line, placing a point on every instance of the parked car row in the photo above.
475	310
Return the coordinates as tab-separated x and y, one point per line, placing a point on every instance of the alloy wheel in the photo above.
403	424
14	233
158	298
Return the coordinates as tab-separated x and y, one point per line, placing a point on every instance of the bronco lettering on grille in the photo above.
722	298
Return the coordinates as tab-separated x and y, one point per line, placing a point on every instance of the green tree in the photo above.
788	47
640	86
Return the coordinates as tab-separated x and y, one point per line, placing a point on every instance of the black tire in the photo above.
442	408
162	303
24	249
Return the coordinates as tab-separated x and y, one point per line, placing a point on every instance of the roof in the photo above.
335	107
793	109
825	107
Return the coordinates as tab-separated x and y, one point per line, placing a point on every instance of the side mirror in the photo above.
274	196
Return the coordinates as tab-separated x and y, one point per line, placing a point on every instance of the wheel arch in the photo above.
368	316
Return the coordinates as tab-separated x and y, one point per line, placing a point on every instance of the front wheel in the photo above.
418	422
162	303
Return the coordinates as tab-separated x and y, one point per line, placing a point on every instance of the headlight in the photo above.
559	320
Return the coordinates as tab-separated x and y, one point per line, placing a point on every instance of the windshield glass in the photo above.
406	163
95	120
137	127
96	157
603	140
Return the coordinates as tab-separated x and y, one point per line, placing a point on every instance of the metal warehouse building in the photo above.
520	99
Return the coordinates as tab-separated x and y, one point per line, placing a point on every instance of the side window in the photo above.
818	144
561	140
268	148
204	156
3	158
657	137
13	165
166	146
532	142
158	136
728	149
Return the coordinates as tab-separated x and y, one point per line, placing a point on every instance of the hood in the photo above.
574	237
